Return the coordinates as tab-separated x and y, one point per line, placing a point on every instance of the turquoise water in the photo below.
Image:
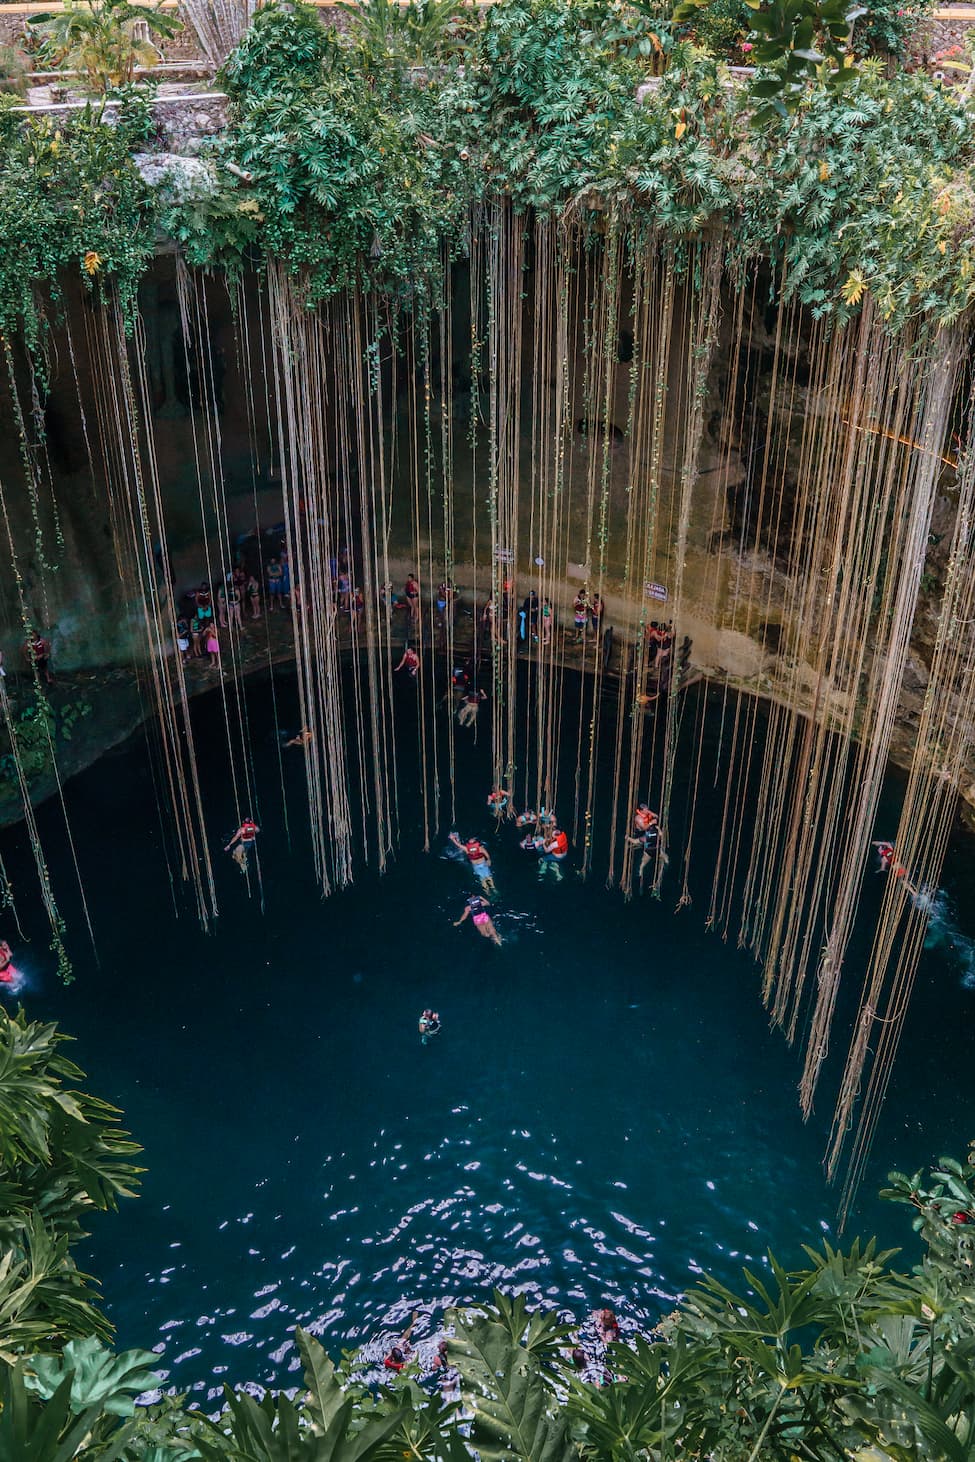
604	1114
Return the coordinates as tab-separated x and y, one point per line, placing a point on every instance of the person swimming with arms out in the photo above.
479	860
476	909
410	662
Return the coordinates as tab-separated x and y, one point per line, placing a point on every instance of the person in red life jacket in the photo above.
410	661
960	1217
888	861
242	841
643	818
553	849
396	1360
648	838
479	859
499	801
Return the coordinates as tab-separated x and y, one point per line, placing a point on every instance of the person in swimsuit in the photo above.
254	597
303	738
410	662
476	909
648	838
469	707
8	973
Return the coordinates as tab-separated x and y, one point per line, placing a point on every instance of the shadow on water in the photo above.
604	1114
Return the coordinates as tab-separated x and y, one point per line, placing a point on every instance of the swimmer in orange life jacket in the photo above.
242	841
552	848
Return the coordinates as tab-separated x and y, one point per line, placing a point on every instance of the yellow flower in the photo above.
92	262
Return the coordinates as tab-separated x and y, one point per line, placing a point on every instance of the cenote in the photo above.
444	410
604	1115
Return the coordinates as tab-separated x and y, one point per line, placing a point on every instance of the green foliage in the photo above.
36	728
102	39
416	32
62	1155
287	47
71	201
95	1376
889	25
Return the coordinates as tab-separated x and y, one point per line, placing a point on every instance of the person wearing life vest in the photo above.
643	818
553	849
498	801
479	860
242	841
888	860
648	838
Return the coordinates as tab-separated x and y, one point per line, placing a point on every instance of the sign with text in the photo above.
655	591
504	555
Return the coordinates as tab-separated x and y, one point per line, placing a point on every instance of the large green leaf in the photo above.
97	1376
515	1414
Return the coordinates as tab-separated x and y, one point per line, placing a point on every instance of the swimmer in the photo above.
553	853
478	858
643	818
889	864
607	1327
428	1026
649	839
303	738
242	841
499	801
469	707
410	662
9	974
476	909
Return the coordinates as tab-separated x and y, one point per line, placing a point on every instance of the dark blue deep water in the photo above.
604	1114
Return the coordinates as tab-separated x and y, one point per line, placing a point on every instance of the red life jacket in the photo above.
559	845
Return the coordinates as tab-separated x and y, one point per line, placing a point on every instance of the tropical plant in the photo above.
104	40
801	42
62	1156
416	32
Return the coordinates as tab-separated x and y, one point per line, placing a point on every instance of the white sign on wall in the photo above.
655	591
